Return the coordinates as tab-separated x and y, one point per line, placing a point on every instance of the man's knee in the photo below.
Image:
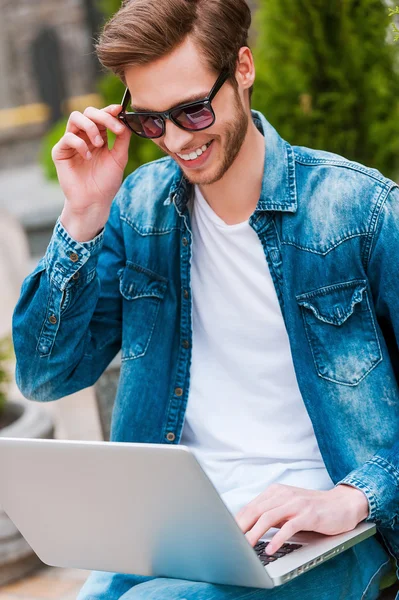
179	589
101	585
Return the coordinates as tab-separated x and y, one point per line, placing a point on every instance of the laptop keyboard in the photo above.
283	551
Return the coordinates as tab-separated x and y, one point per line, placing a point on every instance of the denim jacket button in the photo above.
52	319
76	275
74	257
185	294
184	241
170	437
179	392
186	344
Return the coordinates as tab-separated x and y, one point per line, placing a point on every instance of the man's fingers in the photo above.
274	495
113	109
268	519
247	517
94	123
91	128
81	123
120	148
286	532
105	118
68	145
250	513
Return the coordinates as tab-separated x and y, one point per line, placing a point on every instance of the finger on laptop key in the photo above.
289	529
270	549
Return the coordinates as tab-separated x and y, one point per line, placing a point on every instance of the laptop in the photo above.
145	509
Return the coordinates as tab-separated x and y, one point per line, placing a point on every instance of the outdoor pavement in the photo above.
28	195
46	584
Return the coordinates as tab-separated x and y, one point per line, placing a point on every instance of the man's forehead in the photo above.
159	105
169	82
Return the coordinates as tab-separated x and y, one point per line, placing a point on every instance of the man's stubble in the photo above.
234	136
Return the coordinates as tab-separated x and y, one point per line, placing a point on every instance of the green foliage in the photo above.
327	77
108	7
391	13
6	352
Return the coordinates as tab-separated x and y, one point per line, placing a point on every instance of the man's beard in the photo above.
235	133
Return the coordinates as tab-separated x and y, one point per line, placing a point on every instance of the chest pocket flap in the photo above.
139	282
335	303
341	331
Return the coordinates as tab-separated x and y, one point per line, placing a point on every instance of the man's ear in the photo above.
245	70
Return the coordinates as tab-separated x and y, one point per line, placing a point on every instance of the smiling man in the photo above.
250	286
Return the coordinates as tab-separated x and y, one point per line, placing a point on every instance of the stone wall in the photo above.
20	24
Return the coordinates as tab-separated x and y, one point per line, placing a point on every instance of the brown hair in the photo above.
145	30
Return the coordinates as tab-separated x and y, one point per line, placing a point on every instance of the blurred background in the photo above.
327	77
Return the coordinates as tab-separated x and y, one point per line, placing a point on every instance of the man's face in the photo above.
175	79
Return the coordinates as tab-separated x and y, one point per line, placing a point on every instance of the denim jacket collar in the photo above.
279	184
278	191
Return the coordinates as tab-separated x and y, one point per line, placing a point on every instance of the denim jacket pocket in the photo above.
142	291
341	331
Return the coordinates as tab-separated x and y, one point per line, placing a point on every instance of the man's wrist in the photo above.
78	229
359	499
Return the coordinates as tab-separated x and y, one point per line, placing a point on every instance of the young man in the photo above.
251	287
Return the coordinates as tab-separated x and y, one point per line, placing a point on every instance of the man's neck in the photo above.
234	197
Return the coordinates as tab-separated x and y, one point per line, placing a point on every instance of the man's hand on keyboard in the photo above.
295	509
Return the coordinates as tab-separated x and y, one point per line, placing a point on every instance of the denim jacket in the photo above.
329	229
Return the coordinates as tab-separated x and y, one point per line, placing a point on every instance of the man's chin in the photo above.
204	176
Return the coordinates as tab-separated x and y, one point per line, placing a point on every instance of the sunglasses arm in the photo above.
125	100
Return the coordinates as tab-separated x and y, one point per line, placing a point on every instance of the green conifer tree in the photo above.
327	77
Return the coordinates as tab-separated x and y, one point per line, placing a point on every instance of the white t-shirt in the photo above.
246	421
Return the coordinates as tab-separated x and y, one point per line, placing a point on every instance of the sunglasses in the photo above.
192	116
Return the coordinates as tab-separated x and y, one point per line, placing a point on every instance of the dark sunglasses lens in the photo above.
194	117
145	125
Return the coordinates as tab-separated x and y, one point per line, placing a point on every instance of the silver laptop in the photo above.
142	509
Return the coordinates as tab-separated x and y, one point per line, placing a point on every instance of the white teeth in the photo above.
194	155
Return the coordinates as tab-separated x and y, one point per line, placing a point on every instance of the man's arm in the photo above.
378	478
67	322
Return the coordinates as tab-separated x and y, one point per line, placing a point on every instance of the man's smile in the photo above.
196	158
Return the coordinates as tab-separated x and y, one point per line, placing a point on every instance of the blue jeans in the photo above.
353	575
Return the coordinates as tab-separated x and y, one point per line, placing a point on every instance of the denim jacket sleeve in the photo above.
67	322
378	478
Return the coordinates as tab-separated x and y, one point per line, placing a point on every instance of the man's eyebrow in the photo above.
193	98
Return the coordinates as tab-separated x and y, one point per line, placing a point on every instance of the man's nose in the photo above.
177	139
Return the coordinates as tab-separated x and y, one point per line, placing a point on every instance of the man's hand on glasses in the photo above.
90	173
